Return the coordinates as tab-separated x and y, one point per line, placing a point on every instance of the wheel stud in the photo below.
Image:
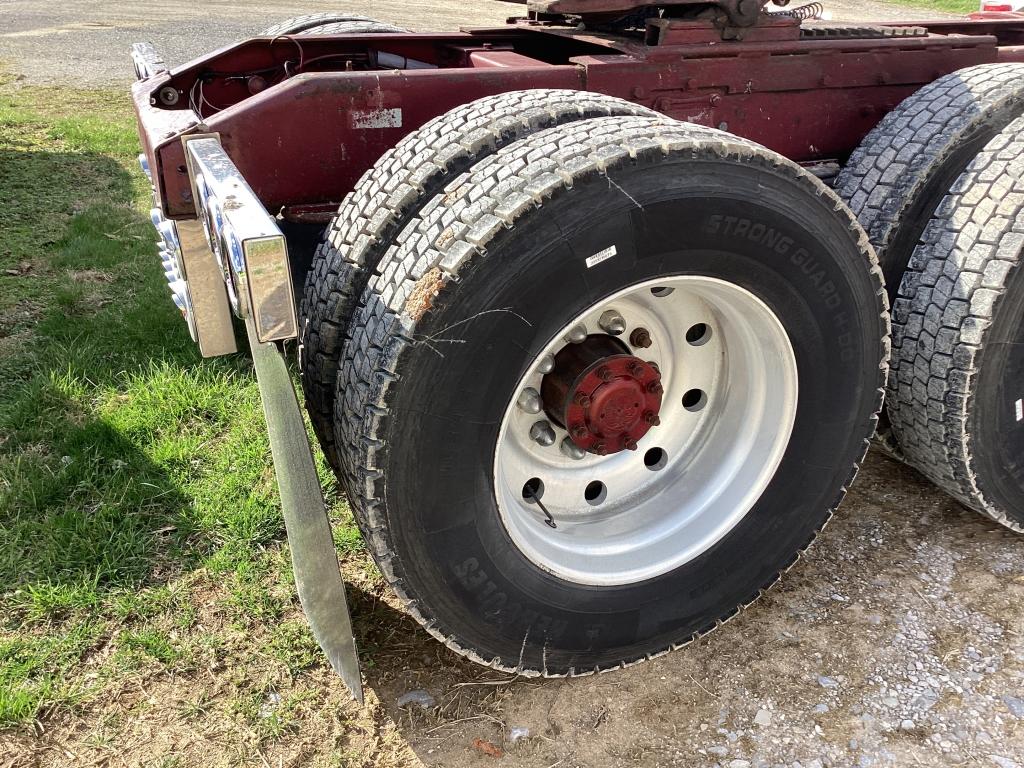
604	373
542	433
547	364
655	388
612	323
529	400
652	418
578	431
655	366
570	449
636	370
640	338
601	449
577	335
629	443
582	400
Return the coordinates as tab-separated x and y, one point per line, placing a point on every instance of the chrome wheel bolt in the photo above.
542	433
529	400
612	323
570	449
577	335
546	364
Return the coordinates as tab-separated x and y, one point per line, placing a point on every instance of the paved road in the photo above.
85	42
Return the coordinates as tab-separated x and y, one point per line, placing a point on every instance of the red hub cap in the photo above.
605	397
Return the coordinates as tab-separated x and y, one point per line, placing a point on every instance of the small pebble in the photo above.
518	733
827	682
763	717
419	697
1015	705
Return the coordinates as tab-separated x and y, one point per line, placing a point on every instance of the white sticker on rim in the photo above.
1019	408
600	256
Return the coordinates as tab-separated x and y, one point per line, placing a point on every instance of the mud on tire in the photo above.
486	274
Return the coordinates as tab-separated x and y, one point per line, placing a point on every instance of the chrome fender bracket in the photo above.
245	240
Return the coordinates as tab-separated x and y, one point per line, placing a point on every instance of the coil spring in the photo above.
802	12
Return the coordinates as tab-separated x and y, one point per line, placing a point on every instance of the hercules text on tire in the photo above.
606	388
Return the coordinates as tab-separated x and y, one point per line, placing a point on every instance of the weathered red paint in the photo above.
304	141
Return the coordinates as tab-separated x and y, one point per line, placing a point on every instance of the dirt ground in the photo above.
897	641
86	42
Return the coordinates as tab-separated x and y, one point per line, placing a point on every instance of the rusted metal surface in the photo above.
331	106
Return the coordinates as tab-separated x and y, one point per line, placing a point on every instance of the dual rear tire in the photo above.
935	186
524	251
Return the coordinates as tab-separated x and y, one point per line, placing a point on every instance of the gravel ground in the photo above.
86	42
897	641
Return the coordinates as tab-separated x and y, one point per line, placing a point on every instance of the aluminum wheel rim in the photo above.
693	477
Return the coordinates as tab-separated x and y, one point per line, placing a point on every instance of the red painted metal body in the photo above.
304	118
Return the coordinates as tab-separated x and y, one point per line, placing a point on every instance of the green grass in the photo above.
947	6
140	533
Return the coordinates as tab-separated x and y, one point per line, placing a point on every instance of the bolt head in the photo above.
655	388
547	364
630	444
582	400
601	449
542	433
604	373
570	449
652	418
612	323
578	431
577	335
640	338
529	400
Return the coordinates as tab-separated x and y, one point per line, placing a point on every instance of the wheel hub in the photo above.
605	398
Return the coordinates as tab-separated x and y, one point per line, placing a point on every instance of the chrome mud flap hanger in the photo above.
252	255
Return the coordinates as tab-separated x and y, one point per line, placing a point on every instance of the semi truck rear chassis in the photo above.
596	329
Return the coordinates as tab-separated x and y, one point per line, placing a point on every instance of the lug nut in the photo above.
542	433
582	400
577	335
570	449
640	337
529	400
652	418
604	373
636	370
655	366
612	323
601	449
629	443
655	388
578	431
546	364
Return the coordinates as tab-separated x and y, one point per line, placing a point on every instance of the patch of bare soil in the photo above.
896	641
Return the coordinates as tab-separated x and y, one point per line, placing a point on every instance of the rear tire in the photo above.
899	174
390	194
329	24
486	277
955	387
